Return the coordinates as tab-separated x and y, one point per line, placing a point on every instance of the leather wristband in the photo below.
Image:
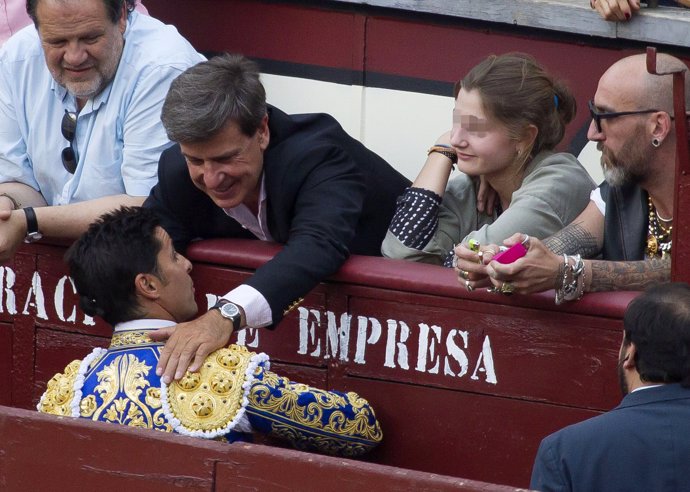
32	232
444	150
229	310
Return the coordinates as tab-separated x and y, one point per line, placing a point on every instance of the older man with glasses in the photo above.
628	222
81	92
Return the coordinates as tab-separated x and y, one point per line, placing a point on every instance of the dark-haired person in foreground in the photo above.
246	169
642	444
127	271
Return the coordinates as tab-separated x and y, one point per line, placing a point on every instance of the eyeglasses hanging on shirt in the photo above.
69	130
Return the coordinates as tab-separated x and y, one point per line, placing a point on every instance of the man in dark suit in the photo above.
246	169
642	444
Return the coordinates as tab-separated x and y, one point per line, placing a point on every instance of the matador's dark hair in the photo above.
106	259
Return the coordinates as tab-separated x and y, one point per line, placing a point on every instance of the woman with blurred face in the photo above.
509	116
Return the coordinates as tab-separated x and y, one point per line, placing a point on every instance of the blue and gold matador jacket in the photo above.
233	393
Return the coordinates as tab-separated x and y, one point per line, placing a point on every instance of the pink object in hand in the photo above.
511	254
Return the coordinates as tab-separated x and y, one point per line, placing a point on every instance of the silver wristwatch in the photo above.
229	310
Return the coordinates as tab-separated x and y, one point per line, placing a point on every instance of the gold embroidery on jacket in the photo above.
210	399
131	339
60	391
338	434
121	384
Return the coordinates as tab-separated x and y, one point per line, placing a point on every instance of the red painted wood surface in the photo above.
5	364
42	453
464	384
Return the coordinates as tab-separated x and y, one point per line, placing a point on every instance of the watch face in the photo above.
229	310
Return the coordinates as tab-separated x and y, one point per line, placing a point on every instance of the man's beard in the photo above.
86	89
630	165
105	71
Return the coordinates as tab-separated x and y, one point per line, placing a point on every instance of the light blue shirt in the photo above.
119	135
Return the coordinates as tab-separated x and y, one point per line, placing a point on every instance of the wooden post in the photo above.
680	255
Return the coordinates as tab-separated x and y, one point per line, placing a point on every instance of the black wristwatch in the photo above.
32	232
231	311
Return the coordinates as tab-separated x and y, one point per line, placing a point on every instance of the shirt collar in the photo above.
143	324
647	386
242	209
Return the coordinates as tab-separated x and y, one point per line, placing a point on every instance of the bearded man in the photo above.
81	92
627	224
642	443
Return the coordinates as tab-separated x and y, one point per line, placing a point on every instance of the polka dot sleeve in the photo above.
416	217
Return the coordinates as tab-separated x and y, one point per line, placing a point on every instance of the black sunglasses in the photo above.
69	130
597	115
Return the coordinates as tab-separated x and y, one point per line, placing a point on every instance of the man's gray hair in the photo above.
204	98
112	7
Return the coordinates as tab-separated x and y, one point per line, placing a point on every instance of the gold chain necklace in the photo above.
658	235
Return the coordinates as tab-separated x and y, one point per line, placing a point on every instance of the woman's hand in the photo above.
470	265
616	10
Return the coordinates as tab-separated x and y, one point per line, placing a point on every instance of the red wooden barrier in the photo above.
45	453
463	384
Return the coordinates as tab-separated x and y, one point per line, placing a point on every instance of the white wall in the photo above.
399	126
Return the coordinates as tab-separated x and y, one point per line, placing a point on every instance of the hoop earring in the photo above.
656	142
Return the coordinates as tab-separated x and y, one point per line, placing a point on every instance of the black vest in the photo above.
626	222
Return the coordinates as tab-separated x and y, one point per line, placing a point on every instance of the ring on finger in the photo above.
468	286
507	288
465	274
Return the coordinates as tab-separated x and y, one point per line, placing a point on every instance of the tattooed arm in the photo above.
627	275
542	268
583	236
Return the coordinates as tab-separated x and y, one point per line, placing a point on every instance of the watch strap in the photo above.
236	319
32	232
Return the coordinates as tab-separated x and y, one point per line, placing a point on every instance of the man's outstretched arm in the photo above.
64	221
